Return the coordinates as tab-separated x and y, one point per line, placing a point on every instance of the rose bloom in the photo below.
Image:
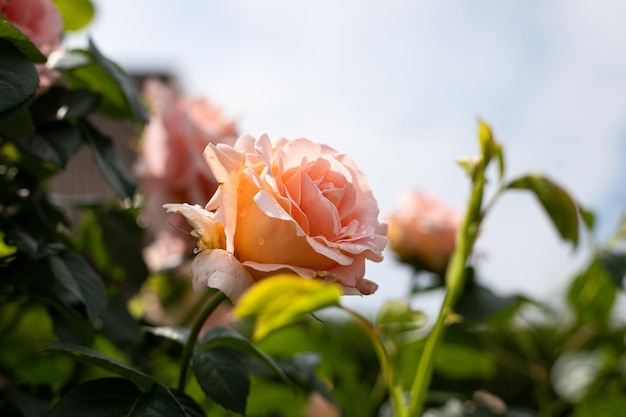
295	206
422	231
171	167
41	22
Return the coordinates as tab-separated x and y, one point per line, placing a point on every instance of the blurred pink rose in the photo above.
294	206
422	231
41	22
171	168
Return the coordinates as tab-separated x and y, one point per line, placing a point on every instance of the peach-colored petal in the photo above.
219	269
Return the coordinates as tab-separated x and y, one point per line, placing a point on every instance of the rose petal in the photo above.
221	270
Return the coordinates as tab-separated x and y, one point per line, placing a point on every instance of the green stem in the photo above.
193	336
395	392
455	283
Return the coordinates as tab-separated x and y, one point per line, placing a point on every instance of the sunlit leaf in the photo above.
486	141
469	164
91	357
283	299
557	203
223	377
76	14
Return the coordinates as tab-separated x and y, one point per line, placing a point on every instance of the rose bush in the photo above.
293	206
170	166
422	231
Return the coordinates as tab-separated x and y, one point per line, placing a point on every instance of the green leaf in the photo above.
138	110
284	299
21	42
601	406
104	397
222	336
223	377
592	294
615	265
90	70
112	397
478	302
91	357
59	103
109	162
469	164
76	13
18	80
56	143
559	205
77	277
486	141
20	124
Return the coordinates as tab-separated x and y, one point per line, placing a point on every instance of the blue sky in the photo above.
398	86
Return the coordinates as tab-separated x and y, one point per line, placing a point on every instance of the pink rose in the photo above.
423	231
40	20
295	206
171	167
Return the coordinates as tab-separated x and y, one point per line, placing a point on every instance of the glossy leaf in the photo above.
76	14
223	377
284	299
558	204
109	163
13	35
18	80
74	274
91	357
222	336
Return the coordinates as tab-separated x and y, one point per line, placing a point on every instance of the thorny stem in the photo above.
193	337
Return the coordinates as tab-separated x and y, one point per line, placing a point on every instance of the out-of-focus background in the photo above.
398	85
